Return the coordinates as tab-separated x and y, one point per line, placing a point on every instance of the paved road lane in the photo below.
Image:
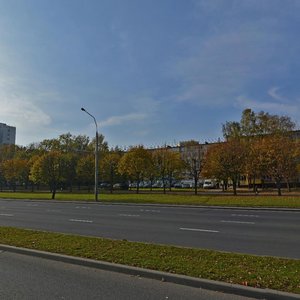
235	230
25	277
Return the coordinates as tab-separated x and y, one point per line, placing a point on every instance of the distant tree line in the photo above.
260	145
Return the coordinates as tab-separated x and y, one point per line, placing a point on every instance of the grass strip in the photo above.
256	271
217	200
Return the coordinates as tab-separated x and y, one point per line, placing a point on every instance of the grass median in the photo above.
156	198
256	271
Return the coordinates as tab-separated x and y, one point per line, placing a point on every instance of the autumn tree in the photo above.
71	160
7	152
174	167
15	171
109	167
214	165
280	158
134	164
226	161
49	169
85	170
257	124
253	129
193	156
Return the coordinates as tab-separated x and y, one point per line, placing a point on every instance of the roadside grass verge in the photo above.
183	199
256	271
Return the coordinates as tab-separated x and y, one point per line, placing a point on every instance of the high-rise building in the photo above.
7	134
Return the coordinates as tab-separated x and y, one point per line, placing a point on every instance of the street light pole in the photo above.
96	155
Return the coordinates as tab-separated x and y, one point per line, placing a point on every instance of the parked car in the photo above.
210	184
104	185
178	184
121	186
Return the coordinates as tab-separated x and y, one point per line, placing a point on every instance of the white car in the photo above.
209	184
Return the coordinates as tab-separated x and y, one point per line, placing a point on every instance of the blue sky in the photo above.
151	72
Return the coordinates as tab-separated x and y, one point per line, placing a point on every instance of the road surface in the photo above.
26	277
260	232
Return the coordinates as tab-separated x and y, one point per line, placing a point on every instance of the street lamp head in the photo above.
82	109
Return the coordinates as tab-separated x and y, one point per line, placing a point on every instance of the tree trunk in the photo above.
234	184
196	185
288	186
53	193
71	186
250	183
164	185
278	184
254	184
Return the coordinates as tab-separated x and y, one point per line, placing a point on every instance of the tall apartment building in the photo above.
7	134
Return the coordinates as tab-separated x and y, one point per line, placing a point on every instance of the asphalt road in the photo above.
261	232
26	277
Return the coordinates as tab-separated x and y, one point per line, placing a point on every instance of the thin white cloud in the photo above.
272	107
234	56
22	109
120	120
19	107
222	66
273	92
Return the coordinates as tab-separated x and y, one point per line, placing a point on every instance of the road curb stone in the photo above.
157	275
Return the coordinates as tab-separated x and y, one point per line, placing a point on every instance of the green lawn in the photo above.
256	271
184	199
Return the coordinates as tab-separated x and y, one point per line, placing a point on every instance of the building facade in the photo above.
7	134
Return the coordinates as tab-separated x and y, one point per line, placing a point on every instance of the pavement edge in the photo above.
157	275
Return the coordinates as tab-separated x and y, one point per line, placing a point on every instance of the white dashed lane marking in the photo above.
82	207
237	222
150	210
198	229
249	216
128	215
81	221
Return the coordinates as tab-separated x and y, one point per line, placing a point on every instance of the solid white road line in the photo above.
82	221
237	222
197	229
6	215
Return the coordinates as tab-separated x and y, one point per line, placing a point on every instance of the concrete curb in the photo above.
157	275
